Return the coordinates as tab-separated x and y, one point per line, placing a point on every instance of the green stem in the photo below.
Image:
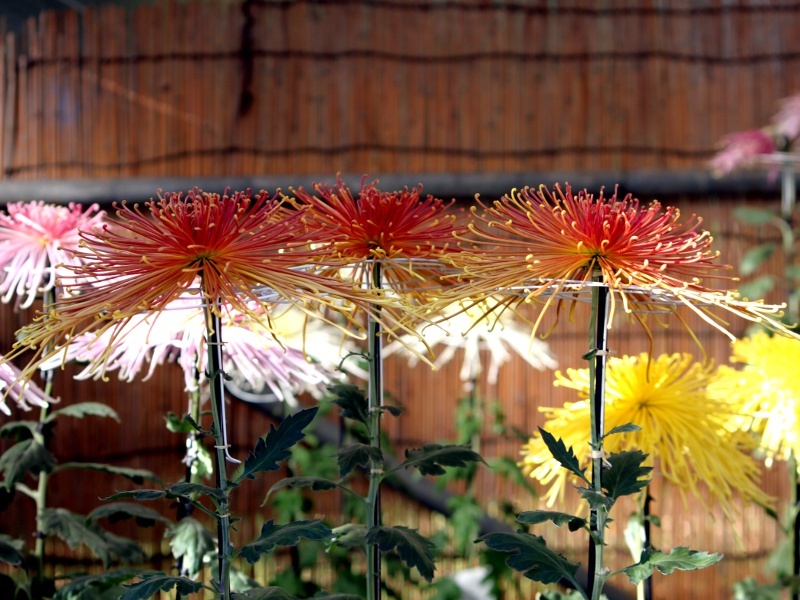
214	347
598	348
375	402
41	489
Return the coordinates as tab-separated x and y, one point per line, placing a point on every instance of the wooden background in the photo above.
296	87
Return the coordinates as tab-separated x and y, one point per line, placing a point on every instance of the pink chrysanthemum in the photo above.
741	149
24	394
35	239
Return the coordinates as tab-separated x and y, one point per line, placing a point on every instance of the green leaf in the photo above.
10	429
89	587
431	458
186	489
27	456
140	495
84	409
191	541
566	457
352	400
792	271
680	558
757	288
754	216
751	589
135	475
11	550
155	582
350	535
316	484
504	466
119	511
267	593
465	518
755	257
596	500
274	447
178	424
624	476
534	517
322	595
75	530
395	411
531	557
413	549
357	455
626	428
284	535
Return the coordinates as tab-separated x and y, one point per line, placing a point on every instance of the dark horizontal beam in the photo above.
646	185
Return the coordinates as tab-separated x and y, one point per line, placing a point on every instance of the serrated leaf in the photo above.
431	458
155	582
757	288
414	550
754	216
350	535
187	489
9	429
267	593
316	484
11	551
75	531
135	475
190	541
596	500
118	511
680	558
755	257
290	534
141	495
84	409
624	476
534	517
626	428
322	595
352	400
125	549
87	587
178	424
274	447
565	456
531	557
357	455
27	456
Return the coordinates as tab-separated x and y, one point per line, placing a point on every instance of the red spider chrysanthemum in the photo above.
543	243
407	232
233	244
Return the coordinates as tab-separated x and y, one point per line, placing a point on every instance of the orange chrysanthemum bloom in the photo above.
545	245
407	233
234	244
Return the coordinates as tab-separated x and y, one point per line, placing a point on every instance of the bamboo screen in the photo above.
228	88
254	87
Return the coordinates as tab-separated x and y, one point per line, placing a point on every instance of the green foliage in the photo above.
757	288
27	456
118	511
626	428
94	587
154	582
23	429
84	409
11	550
464	519
431	458
755	257
534	517
750	589
503	466
190	541
531	556
412	548
316	484
267	593
274	447
755	216
680	558
352	400
76	530
136	475
290	534
624	476
565	456
357	455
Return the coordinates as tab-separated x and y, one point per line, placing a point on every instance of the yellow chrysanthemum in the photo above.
766	392
682	428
